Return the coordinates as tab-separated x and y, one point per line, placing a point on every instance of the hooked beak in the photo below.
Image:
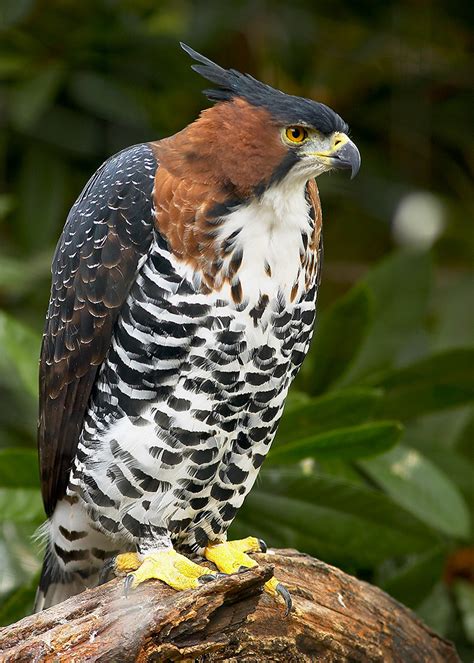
346	156
340	153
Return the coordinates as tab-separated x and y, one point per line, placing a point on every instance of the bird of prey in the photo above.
182	305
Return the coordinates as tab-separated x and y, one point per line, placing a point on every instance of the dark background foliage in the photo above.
372	468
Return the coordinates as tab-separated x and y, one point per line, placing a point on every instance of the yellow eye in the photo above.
296	134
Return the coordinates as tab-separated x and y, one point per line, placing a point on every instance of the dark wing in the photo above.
108	230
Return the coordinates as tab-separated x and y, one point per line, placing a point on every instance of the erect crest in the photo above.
230	81
284	107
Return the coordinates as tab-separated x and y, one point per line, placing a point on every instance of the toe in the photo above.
170	567
275	588
106	571
230	556
210	577
286	596
128	584
263	545
125	563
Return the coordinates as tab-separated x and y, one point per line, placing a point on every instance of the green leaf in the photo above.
42	208
437	609
74	132
459	469
436	429
441	381
338	520
12	65
421	488
335	467
454	312
296	399
33	95
400	286
12	11
338	338
107	98
19	468
344	496
464	593
334	410
350	541
21	505
351	442
16	277
413	581
21	346
19	603
7	204
464	440
18	406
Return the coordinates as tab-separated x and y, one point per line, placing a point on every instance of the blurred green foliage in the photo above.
372	468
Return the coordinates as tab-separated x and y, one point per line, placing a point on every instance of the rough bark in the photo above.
335	618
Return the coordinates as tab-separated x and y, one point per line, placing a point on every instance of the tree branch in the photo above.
335	618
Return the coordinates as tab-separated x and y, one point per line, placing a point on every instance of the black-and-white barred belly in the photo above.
186	406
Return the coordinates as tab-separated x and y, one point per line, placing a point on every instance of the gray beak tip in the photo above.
348	157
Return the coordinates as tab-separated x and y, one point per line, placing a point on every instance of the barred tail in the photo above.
74	554
55	585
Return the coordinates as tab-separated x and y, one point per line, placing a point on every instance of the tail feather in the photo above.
66	573
55	585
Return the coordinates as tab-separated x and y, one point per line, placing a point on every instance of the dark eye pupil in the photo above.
296	133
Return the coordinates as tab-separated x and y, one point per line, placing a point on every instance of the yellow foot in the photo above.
168	566
231	557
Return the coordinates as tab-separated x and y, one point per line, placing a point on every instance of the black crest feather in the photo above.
284	107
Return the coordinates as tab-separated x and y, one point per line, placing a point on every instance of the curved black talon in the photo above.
286	596
243	569
263	546
209	577
127	583
107	568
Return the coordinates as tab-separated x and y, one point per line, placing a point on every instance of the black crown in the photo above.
284	107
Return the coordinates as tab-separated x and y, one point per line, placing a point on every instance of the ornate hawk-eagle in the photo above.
182	305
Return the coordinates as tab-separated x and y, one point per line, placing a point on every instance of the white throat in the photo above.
270	236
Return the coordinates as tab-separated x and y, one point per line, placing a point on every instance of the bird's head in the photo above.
256	136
